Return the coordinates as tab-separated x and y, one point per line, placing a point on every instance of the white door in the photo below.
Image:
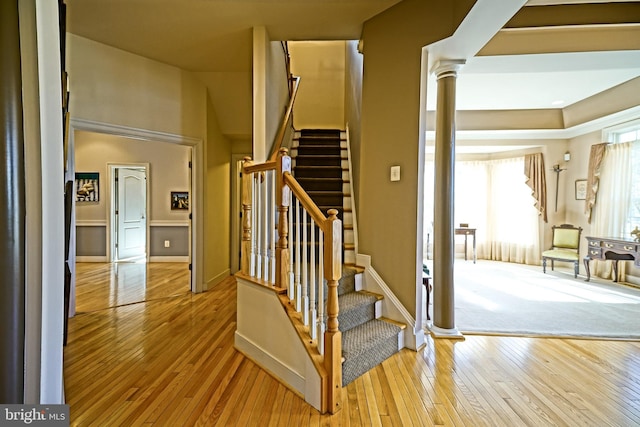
131	211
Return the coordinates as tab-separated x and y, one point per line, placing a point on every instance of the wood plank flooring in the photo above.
170	361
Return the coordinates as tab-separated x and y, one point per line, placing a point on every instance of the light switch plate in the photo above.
395	173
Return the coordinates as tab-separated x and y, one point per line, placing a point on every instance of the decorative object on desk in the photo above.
87	186
636	234
464	225
565	246
179	200
581	189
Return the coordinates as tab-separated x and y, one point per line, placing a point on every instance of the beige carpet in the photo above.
503	298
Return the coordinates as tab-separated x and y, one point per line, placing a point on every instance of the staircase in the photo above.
321	167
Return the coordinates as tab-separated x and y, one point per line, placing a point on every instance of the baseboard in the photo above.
81	258
174	258
270	364
414	337
217	279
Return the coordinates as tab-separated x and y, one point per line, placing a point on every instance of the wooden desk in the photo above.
465	231
615	249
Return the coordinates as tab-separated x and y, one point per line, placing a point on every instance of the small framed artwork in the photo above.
87	187
581	189
179	200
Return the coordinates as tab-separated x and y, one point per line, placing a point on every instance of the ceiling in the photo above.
216	36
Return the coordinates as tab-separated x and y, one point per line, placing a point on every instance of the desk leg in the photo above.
465	247
615	269
586	267
474	248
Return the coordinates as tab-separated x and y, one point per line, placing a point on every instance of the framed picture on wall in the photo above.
581	189
179	200
87	186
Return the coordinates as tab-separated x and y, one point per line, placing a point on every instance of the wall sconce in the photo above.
567	156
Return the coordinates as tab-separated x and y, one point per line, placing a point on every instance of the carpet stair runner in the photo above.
367	339
321	168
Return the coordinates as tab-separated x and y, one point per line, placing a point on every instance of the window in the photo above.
631	135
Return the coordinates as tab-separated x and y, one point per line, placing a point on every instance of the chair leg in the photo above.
576	269
552	266
544	265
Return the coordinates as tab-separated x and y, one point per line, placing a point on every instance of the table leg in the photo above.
586	267
474	248
465	247
615	270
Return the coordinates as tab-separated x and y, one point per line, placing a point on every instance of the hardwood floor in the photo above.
170	361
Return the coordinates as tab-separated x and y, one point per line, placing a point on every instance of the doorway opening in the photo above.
129	235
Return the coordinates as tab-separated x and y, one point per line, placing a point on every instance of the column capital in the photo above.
447	67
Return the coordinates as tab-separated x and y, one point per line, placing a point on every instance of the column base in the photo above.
437	332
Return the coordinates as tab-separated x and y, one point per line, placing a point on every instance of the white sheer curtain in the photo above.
614	196
493	197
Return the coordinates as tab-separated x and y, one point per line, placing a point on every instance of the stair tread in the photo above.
364	337
351	300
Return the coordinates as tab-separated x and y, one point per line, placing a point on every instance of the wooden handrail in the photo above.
305	200
287	116
260	167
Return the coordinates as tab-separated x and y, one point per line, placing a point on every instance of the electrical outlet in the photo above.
167	243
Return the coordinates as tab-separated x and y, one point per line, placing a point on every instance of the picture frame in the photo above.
581	189
87	187
179	200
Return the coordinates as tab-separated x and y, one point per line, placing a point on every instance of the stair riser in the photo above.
327	142
318	172
356	317
304	160
312	184
315	150
353	368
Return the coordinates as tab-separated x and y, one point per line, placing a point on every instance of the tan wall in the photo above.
389	226
168	171
217	202
112	86
353	105
320	100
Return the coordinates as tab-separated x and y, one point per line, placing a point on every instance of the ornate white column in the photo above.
444	245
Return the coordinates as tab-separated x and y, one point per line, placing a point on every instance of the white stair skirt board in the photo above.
392	308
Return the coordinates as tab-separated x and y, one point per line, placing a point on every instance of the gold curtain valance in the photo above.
593	178
537	181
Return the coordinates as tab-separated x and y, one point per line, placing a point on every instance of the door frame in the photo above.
236	210
197	184
112	222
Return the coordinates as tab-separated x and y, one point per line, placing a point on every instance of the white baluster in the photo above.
274	232
320	325
312	282
297	272
259	214
265	228
305	273
254	209
291	290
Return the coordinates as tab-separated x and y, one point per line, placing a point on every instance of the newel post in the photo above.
333	336
283	198
247	197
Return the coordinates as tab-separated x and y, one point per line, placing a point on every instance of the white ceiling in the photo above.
216	36
538	81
